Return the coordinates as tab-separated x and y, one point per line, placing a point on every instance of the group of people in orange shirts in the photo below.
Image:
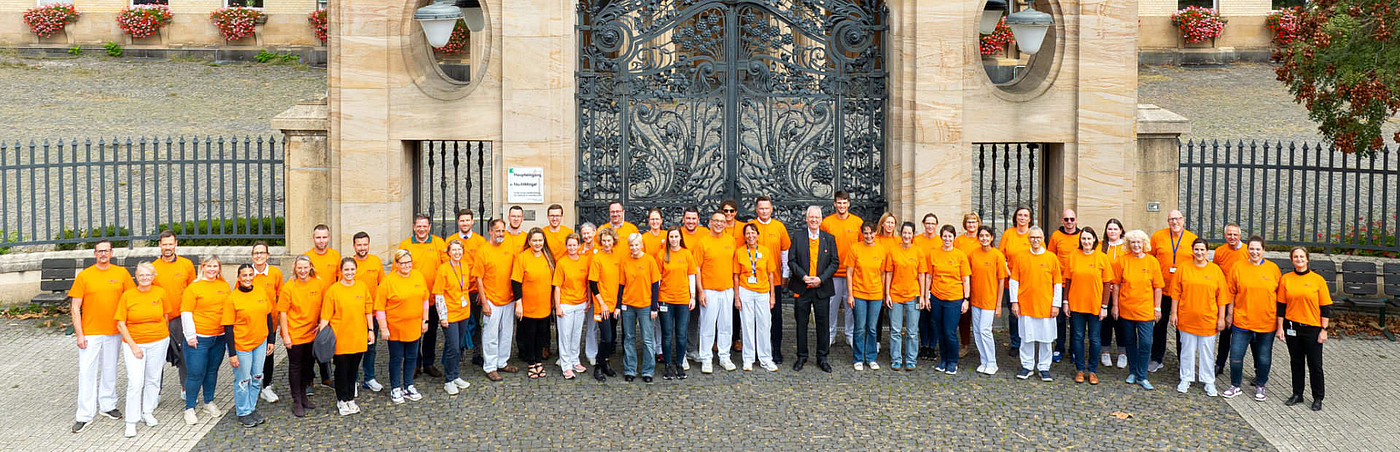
668	284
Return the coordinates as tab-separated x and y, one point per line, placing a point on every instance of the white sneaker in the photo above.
396	395
374	385
412	393
131	430
748	367
769	367
149	420
342	408
727	364
1183	387
592	362
991	370
692	356
190	417
1106	359
706	367
1154	366
685	364
268	396
450	387
354	408
874	366
860	367
982	369
213	410
461	384
1122	361
1211	391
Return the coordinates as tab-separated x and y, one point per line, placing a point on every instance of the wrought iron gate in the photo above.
689	102
1009	176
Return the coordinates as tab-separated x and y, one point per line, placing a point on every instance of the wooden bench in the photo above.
56	276
1361	292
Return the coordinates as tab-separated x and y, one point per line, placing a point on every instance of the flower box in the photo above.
237	23
46	21
141	21
1198	25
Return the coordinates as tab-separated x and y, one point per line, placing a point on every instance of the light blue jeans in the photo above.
632	318
247	379
867	317
904	319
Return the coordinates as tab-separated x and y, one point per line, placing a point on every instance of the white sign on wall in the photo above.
525	185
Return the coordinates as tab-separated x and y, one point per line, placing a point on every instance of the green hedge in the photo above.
274	226
109	231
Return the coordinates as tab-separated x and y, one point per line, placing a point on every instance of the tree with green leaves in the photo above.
1345	68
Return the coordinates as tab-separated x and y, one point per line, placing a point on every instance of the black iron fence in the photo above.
453	175
1293	194
210	191
1008	176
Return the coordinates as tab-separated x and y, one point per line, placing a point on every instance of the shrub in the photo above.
144	20
92	236
458	42
274	226
1198	24
264	56
318	22
48	20
236	22
6	238
999	40
75	50
1284	23
113	49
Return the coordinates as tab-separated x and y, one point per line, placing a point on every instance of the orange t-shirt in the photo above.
344	310
535	278
906	267
1115	253
774	238
1255	290
653	241
1086	275
637	275
988	272
1037	275
204	300
496	263
1227	257
471	247
270	281
926	243
1201	294
757	264
248	313
516	240
100	291
692	239
627	229
427	255
1063	245
1305	296
1136	278
555	240
301	301
1161	245
865	265
403	298
144	314
675	276
1013	244
369	271
606	270
453	281
715	256
327	265
571	280
967	244
846	232
173	277
947	269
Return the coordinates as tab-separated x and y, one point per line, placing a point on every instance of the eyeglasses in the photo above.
102	251
1037	237
727	210
1068	218
405	262
260	253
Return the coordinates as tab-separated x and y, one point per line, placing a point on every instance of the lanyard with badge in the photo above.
457	271
753	265
1176	244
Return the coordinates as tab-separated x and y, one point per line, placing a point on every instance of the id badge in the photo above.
464	301
753	279
663	309
1290	332
1171	270
597	317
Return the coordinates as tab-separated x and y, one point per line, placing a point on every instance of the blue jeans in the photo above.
904	318
1061	324
1139	346
403	356
367	361
1085	323
202	364
453	336
631	318
674	321
867	316
946	314
1263	345
247	379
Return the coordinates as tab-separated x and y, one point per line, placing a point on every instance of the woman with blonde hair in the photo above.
201	311
299	314
401	307
348	310
1137	301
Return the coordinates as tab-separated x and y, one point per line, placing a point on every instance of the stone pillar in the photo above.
1159	134
305	128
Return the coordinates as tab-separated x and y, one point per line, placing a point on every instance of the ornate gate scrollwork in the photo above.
690	102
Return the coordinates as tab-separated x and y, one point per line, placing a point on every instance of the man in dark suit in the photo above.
812	261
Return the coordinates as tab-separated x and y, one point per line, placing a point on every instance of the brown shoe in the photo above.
545	353
1093	378
963	351
1079	377
510	369
493	376
738	346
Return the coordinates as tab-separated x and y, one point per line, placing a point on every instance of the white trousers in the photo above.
570	329
143	378
97	376
591	334
717	323
497	336
837	301
1028	355
755	318
1198	358
982	320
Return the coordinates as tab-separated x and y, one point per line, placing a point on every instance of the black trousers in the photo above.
531	337
1303	350
427	346
300	371
1159	333
267	362
346	368
607	338
821	307
775	330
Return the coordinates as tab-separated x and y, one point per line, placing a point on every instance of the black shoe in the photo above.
607	369
433	370
1317	405
628	378
598	374
248	421
646	379
1294	400
667	374
113	413
680	374
80	426
1013	352
825	366
797	366
777	358
477	360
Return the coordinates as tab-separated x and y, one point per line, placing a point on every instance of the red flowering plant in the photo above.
318	24
999	40
48	20
1284	23
144	20
236	22
1198	24
458	42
